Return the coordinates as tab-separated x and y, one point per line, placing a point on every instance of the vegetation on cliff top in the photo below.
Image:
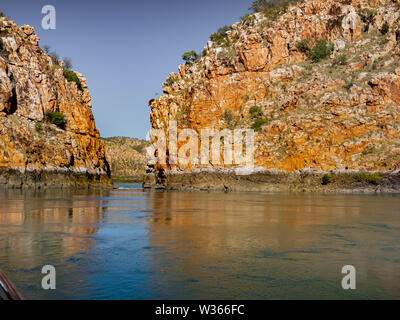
69	75
272	8
190	56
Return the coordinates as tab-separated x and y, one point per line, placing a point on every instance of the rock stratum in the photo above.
336	115
34	152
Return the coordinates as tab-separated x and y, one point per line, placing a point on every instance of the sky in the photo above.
126	49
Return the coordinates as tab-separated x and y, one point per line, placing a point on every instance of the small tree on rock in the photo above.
190	56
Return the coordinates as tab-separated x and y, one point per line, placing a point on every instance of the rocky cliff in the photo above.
35	91
319	82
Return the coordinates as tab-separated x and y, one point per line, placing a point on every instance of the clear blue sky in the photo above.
126	49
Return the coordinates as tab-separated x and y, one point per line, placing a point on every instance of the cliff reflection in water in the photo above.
46	227
134	244
274	246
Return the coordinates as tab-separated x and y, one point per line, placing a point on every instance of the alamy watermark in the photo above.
186	147
49	20
49	280
349	281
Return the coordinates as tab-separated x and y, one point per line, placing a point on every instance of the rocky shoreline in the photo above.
274	181
14	178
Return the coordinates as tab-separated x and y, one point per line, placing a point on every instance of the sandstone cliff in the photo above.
34	151
337	114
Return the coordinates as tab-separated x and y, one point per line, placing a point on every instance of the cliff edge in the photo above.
48	135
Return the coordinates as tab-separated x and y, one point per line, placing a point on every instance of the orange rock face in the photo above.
31	84
336	114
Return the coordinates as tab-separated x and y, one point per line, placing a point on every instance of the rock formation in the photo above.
336	114
33	151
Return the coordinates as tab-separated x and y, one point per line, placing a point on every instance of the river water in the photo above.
135	244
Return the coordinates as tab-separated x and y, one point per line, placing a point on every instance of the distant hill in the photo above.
127	158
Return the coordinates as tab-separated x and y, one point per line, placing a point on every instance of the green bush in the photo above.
340	61
271	8
2	14
182	115
255	112
258	117
368	177
221	36
190	56
320	51
326	179
385	28
72	77
56	118
303	45
39	127
248	17
228	117
257	125
172	80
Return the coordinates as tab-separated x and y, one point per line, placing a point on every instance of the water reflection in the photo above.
44	227
131	244
274	246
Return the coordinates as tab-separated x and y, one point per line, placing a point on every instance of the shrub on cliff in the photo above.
56	118
258	117
39	127
326	179
228	117
171	81
190	56
321	50
72	77
255	112
271	8
340	61
385	28
303	45
373	178
247	17
221	36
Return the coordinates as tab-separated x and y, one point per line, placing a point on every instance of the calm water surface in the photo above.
135	244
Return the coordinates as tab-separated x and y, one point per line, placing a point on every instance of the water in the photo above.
135	244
